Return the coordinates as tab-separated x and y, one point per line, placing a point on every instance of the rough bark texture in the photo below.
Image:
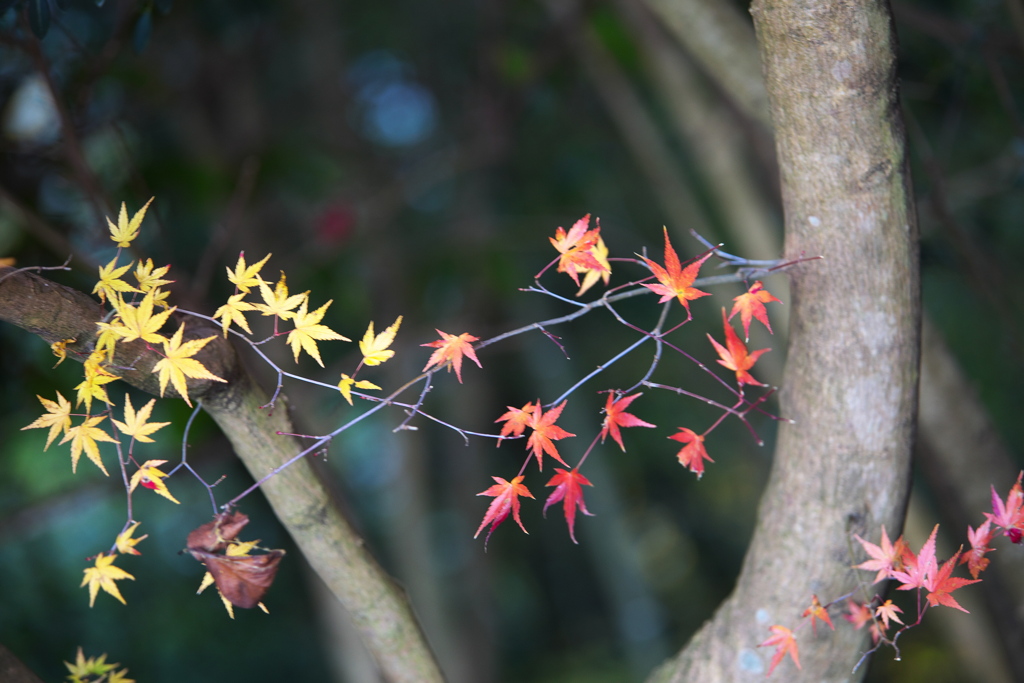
851	379
298	495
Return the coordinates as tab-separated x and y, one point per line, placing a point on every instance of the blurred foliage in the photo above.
410	158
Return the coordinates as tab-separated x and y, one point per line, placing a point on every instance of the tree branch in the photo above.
298	495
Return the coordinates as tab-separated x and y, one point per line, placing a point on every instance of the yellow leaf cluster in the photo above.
95	670
279	303
103	574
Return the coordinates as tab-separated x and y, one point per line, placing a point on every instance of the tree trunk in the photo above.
851	381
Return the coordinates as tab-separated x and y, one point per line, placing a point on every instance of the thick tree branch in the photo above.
298	495
851	380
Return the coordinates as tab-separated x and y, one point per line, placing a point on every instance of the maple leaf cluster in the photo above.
95	670
582	251
140	313
920	571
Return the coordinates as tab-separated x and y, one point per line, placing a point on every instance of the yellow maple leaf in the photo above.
592	275
179	364
151	478
245	277
308	331
120	677
277	302
126	544
126	230
135	424
107	339
84	438
346	384
84	670
138	322
150	278
57	418
60	349
375	348
103	575
95	377
231	312
110	282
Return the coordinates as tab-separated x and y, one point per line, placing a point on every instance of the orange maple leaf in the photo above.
516	420
859	614
784	642
545	432
940	584
734	355
506	499
575	247
616	416
693	453
815	612
675	281
887	612
451	348
751	305
975	559
567	489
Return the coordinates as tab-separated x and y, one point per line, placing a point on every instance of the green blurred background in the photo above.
407	158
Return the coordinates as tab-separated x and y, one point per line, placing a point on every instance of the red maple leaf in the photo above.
975	559
567	489
506	499
616	416
734	355
815	612
516	420
1009	515
452	348
692	454
918	568
575	248
784	642
859	614
751	305
545	433
940	584
885	559
675	281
